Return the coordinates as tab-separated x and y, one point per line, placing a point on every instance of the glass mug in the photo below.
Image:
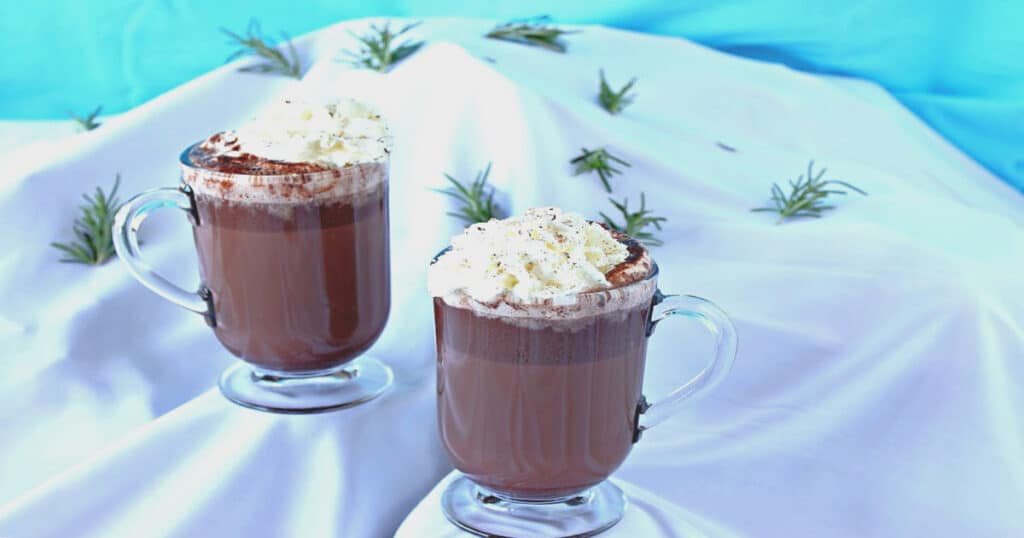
295	279
537	406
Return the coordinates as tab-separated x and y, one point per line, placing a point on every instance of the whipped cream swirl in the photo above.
538	257
336	132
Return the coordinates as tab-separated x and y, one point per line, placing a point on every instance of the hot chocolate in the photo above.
297	285
542	323
293	236
290	218
545	420
537	396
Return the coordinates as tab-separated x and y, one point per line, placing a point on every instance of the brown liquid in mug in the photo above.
538	413
297	287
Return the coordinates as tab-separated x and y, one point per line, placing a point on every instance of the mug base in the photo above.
355	382
481	512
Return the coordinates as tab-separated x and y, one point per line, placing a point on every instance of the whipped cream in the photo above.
297	150
541	256
337	132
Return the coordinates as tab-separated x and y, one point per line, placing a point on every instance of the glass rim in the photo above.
185	162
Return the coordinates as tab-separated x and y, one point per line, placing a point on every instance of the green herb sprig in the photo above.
476	199
379	50
634	224
533	31
88	122
806	196
600	161
254	44
93	244
614	101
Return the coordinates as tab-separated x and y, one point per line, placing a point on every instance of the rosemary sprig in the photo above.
378	49
477	198
806	196
600	161
87	123
533	31
633	223
615	101
93	244
254	44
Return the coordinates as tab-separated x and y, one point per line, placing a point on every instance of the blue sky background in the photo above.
959	65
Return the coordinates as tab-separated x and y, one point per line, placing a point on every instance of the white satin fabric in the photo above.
877	389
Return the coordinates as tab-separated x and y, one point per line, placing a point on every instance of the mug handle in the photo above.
126	242
721	328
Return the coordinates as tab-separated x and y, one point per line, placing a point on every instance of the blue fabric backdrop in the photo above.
959	65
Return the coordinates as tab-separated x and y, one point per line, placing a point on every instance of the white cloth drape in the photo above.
876	391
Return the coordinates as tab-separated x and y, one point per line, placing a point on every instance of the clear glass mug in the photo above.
295	272
537	406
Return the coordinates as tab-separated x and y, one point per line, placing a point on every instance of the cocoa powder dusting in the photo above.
249	164
620	275
236	174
